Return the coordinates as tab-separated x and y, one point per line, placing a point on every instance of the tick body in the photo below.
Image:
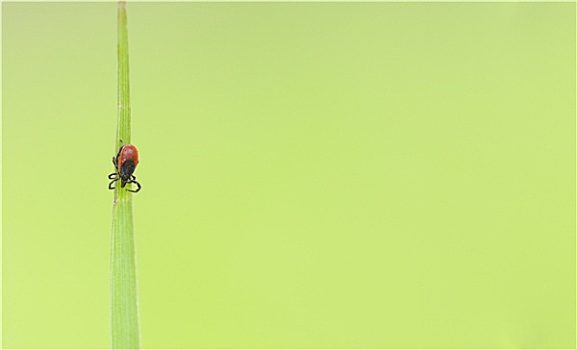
125	162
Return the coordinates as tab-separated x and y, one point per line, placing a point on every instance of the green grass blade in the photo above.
123	126
125	333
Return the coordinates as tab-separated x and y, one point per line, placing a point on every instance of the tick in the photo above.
125	162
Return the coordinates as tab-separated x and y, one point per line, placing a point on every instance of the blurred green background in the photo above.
314	175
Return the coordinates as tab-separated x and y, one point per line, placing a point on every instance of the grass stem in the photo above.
124	332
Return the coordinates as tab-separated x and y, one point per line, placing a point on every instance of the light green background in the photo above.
314	175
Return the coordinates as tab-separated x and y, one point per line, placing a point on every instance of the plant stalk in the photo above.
124	316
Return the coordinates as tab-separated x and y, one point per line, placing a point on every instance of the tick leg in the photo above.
137	184
114	162
113	176
110	187
132	177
